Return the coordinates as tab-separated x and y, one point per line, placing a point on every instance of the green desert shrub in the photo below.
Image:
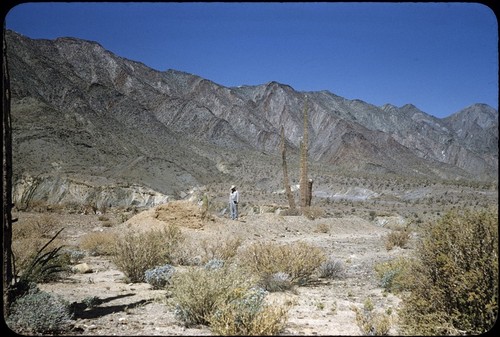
395	275
135	252
299	260
455	284
92	301
38	312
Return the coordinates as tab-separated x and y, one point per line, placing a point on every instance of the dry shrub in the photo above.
45	226
292	212
397	238
322	228
103	218
198	292
136	252
194	252
98	243
188	254
313	212
249	316
298	259
455	284
226	300
371	322
223	249
34	206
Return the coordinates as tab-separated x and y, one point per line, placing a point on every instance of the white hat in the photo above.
233	187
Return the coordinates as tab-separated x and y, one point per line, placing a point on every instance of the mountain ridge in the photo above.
97	113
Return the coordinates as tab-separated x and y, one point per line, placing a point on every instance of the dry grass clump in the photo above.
98	243
135	252
298	260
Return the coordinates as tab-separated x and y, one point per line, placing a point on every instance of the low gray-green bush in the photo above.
332	268
276	282
214	264
92	301
39	312
159	277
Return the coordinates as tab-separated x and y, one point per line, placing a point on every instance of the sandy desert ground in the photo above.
323	308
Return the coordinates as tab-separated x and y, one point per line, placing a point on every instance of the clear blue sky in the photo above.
441	57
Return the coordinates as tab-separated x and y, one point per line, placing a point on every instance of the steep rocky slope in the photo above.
90	126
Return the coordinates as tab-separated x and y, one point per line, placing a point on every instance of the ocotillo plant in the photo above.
305	182
286	182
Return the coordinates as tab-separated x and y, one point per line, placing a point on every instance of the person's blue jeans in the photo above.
234	210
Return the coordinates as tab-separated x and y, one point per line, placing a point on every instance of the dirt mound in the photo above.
181	213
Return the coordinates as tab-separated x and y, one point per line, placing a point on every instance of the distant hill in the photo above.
86	120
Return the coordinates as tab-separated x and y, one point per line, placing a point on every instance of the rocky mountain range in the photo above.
88	123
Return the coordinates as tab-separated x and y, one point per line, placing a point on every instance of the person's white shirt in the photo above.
234	196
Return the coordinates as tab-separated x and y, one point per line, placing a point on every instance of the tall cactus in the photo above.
286	182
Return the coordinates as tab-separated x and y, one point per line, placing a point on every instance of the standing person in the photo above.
234	198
